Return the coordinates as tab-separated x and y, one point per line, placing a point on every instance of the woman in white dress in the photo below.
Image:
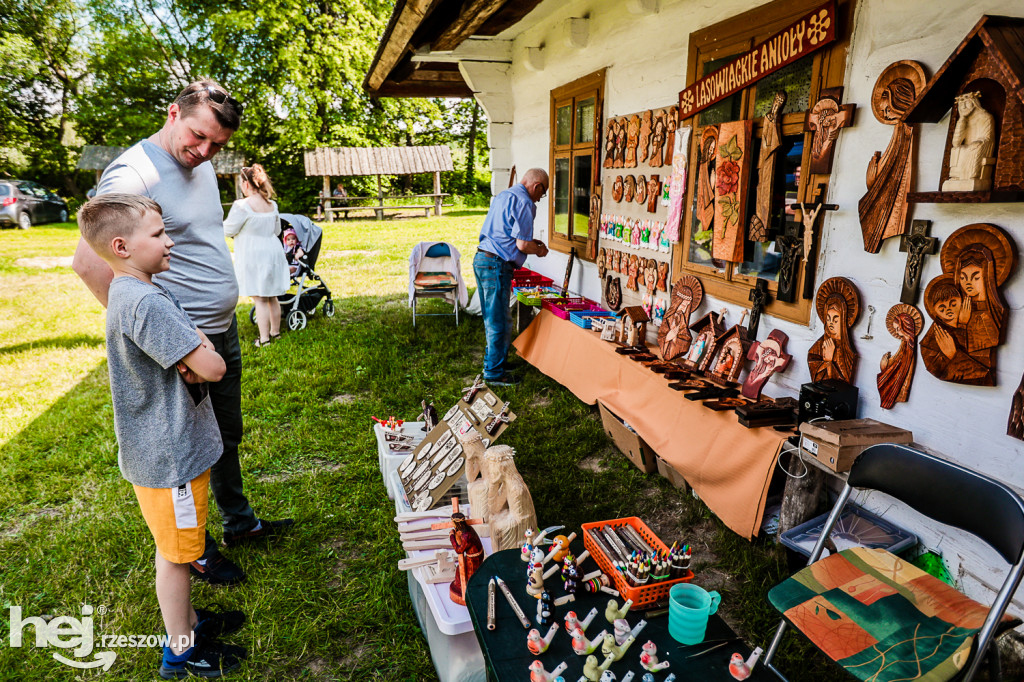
260	265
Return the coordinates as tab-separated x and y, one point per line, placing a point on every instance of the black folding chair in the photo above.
844	602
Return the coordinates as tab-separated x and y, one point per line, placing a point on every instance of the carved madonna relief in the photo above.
674	333
905	323
832	356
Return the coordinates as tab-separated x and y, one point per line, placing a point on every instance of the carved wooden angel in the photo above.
832	356
609	147
905	323
634	272
658	135
632	140
663	276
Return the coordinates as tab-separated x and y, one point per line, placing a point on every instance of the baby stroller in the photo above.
307	288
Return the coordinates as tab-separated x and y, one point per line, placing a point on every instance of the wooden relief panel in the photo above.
663	276
630	189
705	332
732	177
618	187
650	276
609	145
653	193
602	266
594	224
832	356
905	323
620	143
641	189
825	119
771	138
965	303
634	272
644	147
632	140
705	177
769	356
613	293
659	132
883	210
731	351
671	123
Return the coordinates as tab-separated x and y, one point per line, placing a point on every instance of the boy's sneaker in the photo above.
219	570
263	530
213	624
206	659
505	379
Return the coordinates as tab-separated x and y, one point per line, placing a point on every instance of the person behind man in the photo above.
173	168
506	238
167	434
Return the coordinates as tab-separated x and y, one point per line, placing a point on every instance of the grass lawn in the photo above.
326	601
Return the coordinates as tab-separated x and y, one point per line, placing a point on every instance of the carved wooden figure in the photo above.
905	323
972	153
653	193
883	210
758	297
473	450
732	171
966	305
832	356
791	247
706	330
641	189
769	356
509	509
730	352
617	189
671	124
771	138
609	145
634	272
644	142
809	217
613	293
632	140
825	119
706	159
650	276
630	191
659	133
620	143
602	264
663	276
594	224
917	244
674	333
470	551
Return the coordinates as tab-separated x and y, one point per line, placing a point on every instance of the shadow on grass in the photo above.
55	342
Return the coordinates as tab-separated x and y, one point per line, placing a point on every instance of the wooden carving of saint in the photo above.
674	333
905	323
632	140
609	145
644	142
470	551
832	356
706	177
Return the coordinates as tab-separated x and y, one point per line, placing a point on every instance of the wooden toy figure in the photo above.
537	644
538	674
470	550
649	658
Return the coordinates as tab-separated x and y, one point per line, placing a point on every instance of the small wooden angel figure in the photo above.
470	551
657	138
641	189
662	276
650	276
635	233
634	271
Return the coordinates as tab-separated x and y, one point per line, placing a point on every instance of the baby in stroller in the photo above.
292	251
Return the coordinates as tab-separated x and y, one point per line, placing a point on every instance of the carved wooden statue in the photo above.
609	145
650	276
732	172
966	305
473	450
658	134
620	143
674	333
917	244
771	138
905	323
617	189
653	193
470	551
630	191
644	143
883	210
972	154
832	356
707	155
594	224
641	189
825	119
632	140
769	356
509	507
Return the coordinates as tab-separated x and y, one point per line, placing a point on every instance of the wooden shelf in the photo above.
990	197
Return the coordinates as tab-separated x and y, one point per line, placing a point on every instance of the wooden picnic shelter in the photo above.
353	161
227	163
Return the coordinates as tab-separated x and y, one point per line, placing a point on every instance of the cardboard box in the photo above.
628	442
837	443
669	472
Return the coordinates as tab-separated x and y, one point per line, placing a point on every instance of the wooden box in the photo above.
837	443
668	472
628	442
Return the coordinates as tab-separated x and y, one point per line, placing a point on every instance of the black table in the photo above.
508	658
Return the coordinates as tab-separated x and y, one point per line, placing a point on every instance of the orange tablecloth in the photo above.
728	465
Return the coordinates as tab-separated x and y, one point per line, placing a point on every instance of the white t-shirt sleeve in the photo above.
122	178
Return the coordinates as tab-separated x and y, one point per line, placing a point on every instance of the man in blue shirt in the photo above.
505	240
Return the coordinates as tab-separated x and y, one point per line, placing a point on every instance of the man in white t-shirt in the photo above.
173	168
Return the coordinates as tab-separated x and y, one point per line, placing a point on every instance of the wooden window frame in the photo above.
734	36
591	85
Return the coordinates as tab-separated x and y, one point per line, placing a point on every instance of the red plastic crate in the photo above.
534	280
641	596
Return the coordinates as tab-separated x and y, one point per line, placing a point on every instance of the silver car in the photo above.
24	204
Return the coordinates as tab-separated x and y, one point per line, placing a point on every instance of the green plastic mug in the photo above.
688	609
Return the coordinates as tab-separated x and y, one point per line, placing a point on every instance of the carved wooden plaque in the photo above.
630	191
618	186
674	333
769	356
641	189
905	323
632	140
730	352
644	145
620	142
732	179
833	356
707	154
825	119
609	145
771	139
653	193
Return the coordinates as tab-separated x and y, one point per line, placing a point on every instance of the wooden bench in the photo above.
379	208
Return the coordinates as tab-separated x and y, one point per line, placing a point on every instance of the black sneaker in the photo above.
266	529
208	659
505	379
213	624
219	570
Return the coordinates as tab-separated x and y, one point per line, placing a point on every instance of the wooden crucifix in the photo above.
568	271
758	297
916	245
791	245
809	218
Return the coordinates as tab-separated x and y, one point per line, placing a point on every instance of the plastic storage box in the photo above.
855	528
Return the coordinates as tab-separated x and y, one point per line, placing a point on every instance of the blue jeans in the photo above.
494	283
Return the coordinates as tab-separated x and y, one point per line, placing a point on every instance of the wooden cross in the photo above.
916	245
568	271
758	296
809	218
791	244
470	392
499	419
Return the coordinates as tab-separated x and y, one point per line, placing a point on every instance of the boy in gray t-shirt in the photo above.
167	433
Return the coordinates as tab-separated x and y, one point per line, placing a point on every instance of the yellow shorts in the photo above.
177	518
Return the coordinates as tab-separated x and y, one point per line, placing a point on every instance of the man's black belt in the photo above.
491	255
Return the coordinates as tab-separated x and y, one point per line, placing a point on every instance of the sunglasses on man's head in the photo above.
220	97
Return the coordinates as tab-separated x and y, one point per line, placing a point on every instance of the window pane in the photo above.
729	108
560	190
585	120
563	124
794	79
582	176
699	249
763	258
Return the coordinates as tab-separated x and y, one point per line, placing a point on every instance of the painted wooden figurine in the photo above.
630	191
653	193
470	551
769	356
966	305
905	323
883	210
618	187
609	145
707	155
634	272
641	189
825	119
732	172
663	276
771	139
972	152
832	356
674	334
730	352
